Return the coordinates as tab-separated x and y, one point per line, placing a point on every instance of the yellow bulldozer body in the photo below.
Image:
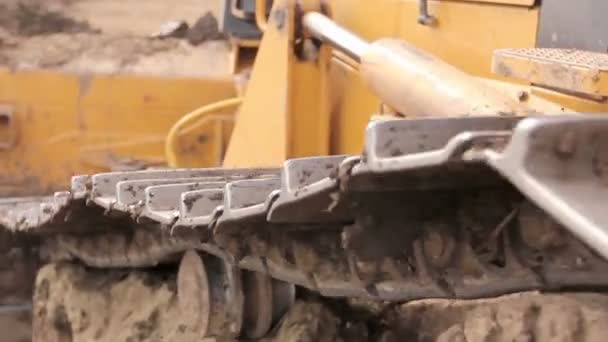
56	124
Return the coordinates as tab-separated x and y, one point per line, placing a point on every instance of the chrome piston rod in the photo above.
326	30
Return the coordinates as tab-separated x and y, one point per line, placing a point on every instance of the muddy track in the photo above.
391	226
457	252
73	303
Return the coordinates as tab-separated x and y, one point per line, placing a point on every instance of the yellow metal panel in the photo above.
351	107
45	108
68	124
260	133
574	102
203	143
309	115
285	110
466	35
526	95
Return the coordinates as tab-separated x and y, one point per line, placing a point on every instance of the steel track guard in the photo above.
562	165
559	163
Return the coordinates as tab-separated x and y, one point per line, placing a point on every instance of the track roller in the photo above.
218	300
210	295
266	301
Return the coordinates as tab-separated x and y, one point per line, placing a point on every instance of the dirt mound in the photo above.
30	19
37	34
86	53
57	50
206	28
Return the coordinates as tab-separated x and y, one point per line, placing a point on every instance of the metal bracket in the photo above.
424	18
7	127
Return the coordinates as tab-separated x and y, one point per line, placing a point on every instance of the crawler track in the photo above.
436	208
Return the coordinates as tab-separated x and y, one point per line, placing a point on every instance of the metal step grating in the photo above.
567	69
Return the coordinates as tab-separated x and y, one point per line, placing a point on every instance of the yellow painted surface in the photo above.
573	102
285	111
531	99
351	108
260	133
309	116
197	138
67	124
466	36
203	144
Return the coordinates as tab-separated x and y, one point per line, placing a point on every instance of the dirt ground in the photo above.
142	306
100	36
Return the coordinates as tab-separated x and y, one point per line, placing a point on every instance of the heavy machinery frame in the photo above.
462	186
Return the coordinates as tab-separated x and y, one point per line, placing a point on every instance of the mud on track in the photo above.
73	303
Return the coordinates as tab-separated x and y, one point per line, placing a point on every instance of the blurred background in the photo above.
111	36
106	36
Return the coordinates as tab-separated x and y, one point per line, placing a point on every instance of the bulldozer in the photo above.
424	170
